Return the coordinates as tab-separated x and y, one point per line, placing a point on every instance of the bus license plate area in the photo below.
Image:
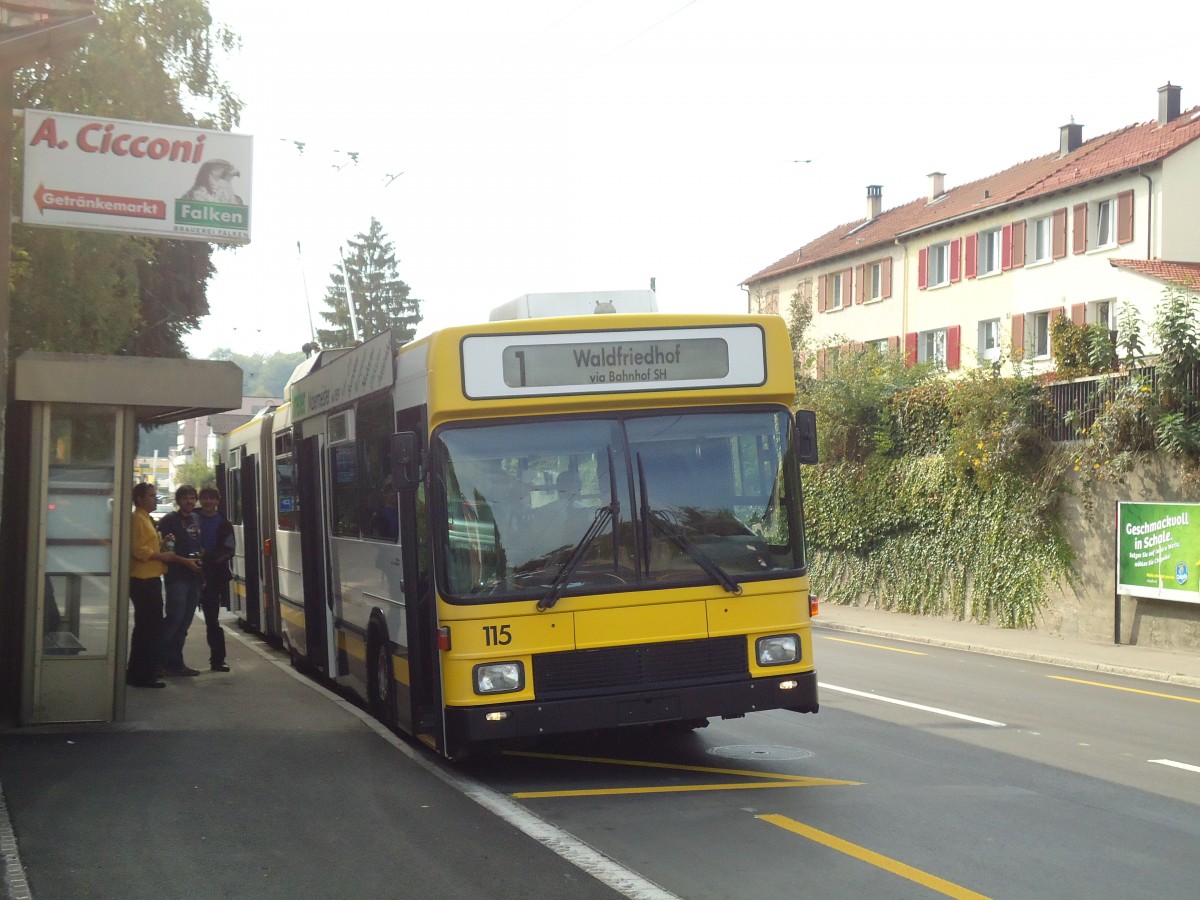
648	711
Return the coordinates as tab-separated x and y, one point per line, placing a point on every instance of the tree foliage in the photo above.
381	299
263	375
77	291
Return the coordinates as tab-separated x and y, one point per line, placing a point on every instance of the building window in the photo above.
1106	224
989	251
1040	239
875	284
1102	313
939	264
1039	334
880	346
931	347
771	305
834	293
989	340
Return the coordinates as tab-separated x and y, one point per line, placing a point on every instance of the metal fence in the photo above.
1087	396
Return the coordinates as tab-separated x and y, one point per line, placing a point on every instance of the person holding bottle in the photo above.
148	562
181	536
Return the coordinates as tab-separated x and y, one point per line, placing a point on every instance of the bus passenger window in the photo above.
343	472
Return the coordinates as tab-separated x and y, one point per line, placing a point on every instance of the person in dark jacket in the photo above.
181	534
216	550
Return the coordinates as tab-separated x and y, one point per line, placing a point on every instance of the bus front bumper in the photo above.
469	725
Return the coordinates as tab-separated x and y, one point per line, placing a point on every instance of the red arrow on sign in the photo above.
101	204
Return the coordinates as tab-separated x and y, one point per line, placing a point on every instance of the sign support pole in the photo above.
1116	573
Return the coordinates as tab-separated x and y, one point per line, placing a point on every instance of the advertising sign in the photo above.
136	178
1158	551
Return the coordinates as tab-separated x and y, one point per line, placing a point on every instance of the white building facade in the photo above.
977	275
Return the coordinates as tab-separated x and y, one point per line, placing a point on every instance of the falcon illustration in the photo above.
214	183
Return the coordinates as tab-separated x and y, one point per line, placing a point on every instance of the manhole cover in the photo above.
760	751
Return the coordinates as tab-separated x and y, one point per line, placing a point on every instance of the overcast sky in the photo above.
575	145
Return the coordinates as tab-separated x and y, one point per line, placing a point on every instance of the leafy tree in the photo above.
381	299
196	472
150	60
262	375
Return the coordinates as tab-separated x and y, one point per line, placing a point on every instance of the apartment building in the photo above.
976	274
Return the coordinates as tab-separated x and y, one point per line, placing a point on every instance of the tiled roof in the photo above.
1101	157
1184	274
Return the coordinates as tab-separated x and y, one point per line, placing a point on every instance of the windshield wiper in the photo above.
604	515
664	524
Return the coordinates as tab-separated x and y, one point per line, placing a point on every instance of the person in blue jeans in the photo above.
181	534
217	541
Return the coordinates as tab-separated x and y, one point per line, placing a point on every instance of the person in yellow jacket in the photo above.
148	563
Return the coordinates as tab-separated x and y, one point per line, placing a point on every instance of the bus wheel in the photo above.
382	688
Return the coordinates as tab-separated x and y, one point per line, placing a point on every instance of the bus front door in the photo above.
312	554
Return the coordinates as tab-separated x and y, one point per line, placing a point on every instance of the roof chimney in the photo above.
1070	137
1168	103
874	200
937	185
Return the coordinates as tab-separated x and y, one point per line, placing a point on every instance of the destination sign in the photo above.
601	362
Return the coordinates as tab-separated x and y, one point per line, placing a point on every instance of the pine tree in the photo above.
381	299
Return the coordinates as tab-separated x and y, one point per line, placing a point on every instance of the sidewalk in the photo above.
256	783
1174	666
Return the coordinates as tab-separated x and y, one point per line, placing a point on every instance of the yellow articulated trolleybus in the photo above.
542	526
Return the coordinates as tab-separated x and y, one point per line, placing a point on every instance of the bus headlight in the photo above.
777	650
499	678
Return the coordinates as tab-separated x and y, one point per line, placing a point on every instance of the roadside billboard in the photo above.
1158	551
136	178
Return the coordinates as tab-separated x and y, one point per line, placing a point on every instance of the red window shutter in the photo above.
886	278
1058	242
894	343
910	349
1125	217
1059	312
860	283
857	346
822	289
847	288
953	347
1018	333
821	358
1079	228
1018	244
923	269
955	260
972	255
1006	248
1079	313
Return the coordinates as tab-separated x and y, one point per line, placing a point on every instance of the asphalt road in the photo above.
927	772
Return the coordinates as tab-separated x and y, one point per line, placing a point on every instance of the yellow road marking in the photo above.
1129	690
778	780
679	788
875	859
876	646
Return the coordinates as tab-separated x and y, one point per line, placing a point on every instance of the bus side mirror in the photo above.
806	436
406	461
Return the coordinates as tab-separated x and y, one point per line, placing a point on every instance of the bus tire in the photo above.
381	688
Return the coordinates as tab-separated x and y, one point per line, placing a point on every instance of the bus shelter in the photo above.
79	414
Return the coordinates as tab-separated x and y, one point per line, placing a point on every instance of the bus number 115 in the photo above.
496	635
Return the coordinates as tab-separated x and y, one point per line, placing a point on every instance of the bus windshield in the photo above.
592	505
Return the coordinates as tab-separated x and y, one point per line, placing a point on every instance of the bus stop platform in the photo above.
256	783
261	783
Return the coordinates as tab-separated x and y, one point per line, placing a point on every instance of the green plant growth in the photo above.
1133	413
196	472
1080	350
933	496
942	496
